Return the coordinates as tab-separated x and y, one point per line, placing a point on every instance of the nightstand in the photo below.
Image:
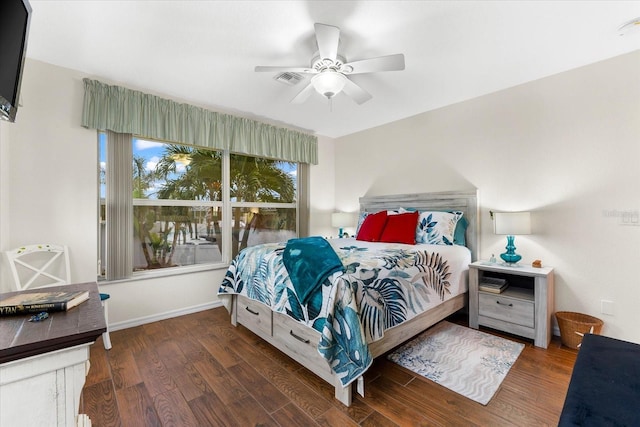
524	308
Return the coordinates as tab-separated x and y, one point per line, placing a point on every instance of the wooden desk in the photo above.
43	365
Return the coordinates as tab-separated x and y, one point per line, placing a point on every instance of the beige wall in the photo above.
565	147
48	167
322	189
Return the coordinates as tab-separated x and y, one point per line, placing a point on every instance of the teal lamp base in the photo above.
510	257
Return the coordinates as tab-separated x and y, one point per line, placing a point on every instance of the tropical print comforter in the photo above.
383	285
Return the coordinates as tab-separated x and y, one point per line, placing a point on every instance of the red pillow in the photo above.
401	228
372	227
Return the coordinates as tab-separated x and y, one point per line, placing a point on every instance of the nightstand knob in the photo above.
501	303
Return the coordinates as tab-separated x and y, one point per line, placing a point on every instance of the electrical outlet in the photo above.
606	307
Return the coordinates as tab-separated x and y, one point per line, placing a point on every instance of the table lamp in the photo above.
511	224
341	220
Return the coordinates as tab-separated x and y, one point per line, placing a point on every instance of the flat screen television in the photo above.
14	28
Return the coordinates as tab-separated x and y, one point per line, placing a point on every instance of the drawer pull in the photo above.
298	338
501	303
251	311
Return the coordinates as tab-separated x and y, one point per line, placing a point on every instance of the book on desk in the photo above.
36	301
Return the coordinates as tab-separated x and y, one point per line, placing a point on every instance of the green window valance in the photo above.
122	110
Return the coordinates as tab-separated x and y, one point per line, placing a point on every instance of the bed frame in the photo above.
300	342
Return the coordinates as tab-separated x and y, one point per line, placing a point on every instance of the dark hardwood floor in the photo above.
198	370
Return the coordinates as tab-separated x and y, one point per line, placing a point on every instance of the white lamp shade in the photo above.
328	83
512	223
341	219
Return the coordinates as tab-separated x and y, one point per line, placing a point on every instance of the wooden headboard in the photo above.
464	201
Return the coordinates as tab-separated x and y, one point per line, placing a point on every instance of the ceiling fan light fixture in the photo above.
329	83
330	71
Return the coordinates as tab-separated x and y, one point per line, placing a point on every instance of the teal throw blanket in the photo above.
309	261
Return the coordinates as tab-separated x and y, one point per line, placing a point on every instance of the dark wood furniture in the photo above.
43	364
20	338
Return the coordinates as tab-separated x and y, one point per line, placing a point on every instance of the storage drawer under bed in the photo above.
301	343
293	334
255	316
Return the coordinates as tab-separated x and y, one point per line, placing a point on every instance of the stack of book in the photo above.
493	284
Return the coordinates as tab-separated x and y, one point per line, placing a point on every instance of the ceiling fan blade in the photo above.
269	68
355	92
303	95
328	38
382	63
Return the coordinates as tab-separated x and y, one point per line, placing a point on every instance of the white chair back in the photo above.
37	266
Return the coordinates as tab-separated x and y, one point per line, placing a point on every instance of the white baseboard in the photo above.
162	316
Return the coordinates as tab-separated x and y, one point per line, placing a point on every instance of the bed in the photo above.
383	294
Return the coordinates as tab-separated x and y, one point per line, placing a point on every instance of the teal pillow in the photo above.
458	234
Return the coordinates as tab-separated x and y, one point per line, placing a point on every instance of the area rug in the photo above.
467	361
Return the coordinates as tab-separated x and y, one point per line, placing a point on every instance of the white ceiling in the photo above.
204	52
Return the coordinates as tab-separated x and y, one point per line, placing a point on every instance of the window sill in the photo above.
165	272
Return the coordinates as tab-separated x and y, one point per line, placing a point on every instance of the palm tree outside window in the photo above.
187	201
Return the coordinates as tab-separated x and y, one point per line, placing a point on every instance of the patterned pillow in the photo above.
437	228
361	218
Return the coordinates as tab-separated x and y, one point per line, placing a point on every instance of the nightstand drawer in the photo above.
512	310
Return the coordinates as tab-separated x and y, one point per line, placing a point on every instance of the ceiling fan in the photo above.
330	70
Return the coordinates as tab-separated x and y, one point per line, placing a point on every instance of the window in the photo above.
180	196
